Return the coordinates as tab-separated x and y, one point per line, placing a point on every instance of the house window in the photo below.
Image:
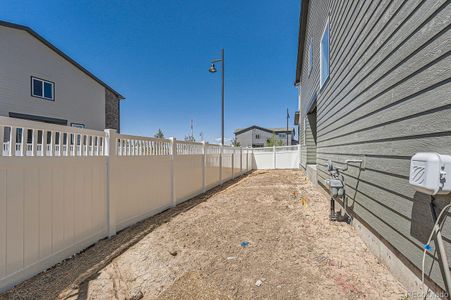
310	57
324	55
42	89
257	136
282	135
77	125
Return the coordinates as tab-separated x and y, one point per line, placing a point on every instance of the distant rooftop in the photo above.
270	130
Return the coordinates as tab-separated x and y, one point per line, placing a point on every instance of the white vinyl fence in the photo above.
64	188
281	157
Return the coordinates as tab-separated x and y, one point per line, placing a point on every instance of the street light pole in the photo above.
213	70
222	97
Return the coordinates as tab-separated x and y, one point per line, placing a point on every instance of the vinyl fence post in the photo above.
110	145
241	160
12	141
2	139
204	164
273	157
173	158
252	158
247	160
221	156
299	155
233	162
23	142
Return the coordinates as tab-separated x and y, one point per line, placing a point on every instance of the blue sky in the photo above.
157	53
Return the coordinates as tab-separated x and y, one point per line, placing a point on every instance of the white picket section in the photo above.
280	157
64	188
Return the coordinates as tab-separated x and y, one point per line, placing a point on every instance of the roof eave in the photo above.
301	39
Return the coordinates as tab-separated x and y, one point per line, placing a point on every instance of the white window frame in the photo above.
77	125
33	78
322	80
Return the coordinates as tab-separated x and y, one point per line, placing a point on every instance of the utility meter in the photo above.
335	187
430	173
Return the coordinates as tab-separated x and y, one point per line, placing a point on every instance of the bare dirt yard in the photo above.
263	236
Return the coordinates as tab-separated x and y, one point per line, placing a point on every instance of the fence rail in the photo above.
281	157
64	188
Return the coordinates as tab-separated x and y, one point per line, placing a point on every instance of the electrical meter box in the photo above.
430	173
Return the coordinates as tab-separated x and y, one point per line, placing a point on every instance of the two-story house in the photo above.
39	82
256	136
374	85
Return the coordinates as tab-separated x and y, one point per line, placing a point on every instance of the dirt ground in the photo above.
263	236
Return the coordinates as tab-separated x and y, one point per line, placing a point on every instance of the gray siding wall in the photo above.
78	98
388	97
245	139
308	145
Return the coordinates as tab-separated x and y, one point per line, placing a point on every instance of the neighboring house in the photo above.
39	82
256	136
375	82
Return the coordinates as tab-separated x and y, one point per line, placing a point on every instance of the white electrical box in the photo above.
430	173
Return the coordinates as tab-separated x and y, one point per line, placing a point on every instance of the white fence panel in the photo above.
64	188
212	166
227	163
140	187
50	207
188	174
140	178
287	160
283	157
263	158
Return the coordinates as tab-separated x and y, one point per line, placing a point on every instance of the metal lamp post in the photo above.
213	70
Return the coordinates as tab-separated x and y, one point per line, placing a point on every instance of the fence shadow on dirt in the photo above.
70	278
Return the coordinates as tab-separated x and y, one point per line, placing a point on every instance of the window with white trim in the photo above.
324	53
77	125
42	89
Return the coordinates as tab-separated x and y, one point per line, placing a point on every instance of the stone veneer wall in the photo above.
112	111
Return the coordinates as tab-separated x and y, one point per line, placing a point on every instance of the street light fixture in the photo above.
213	70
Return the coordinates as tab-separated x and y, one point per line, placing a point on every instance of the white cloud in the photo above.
227	141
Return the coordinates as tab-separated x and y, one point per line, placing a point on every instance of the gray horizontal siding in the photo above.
388	97
308	150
